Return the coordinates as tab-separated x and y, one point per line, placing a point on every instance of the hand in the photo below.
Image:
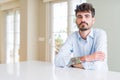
97	56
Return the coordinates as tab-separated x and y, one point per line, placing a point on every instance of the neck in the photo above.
84	34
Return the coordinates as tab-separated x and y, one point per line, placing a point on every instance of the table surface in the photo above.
36	70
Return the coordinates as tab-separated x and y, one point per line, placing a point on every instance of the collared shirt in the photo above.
76	46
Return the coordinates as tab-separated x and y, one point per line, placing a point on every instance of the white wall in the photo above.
33	28
108	17
29	26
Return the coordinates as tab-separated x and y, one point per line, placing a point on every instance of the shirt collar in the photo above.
90	35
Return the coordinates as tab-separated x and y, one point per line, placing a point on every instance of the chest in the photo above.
83	47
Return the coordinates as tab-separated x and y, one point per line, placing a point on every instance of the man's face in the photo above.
84	20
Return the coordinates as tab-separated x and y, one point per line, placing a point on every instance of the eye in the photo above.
87	16
79	16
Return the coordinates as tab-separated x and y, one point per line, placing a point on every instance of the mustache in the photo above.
83	22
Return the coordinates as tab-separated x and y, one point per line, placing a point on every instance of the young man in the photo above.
86	48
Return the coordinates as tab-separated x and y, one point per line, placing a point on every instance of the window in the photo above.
12	36
63	22
59	24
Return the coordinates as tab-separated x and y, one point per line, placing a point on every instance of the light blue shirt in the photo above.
75	46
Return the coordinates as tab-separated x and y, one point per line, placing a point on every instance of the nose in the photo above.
83	19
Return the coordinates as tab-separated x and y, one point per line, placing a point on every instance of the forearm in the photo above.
89	61
97	56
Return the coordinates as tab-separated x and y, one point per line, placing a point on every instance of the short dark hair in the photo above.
85	7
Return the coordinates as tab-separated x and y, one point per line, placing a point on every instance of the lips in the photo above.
83	23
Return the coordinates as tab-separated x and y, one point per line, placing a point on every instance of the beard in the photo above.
82	27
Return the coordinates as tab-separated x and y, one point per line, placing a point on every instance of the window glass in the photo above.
12	36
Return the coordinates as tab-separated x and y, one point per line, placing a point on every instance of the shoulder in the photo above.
74	34
98	31
72	37
99	34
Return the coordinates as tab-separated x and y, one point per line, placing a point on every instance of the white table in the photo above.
35	70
